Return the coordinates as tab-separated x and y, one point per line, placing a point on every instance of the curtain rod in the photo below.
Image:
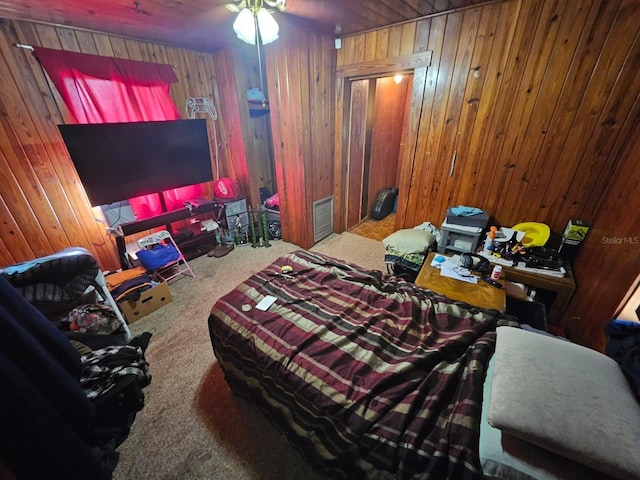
22	45
30	48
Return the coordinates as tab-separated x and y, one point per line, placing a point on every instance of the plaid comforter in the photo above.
368	376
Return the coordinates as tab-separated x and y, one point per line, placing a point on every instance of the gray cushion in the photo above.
567	399
505	457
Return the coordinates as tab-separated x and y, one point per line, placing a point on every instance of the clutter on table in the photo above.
513	247
536	234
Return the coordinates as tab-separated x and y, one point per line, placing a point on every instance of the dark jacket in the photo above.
45	415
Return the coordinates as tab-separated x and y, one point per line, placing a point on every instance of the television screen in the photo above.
118	161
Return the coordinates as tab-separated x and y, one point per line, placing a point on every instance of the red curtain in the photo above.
100	89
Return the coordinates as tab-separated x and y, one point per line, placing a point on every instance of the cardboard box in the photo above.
481	220
150	300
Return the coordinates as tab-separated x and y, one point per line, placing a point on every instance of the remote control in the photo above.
492	282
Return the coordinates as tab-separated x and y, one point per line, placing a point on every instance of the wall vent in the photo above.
322	218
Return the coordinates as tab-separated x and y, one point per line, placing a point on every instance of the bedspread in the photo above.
367	375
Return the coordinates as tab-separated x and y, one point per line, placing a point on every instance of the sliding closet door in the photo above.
359	150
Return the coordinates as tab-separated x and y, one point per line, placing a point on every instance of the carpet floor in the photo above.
192	427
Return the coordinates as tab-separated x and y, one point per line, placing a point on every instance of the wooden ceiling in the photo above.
207	24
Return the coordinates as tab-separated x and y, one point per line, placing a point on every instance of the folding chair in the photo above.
172	268
56	283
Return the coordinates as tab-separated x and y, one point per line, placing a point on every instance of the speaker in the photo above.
475	262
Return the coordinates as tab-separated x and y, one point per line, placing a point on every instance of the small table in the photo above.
480	295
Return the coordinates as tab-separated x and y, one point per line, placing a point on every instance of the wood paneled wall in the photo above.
43	206
299	76
610	258
538	102
243	72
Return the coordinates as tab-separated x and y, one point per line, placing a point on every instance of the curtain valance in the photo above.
142	73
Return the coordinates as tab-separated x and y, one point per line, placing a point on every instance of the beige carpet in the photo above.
192	427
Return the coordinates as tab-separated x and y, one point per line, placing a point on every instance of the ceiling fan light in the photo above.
245	27
267	25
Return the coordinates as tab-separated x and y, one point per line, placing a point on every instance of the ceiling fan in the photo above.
255	20
238	5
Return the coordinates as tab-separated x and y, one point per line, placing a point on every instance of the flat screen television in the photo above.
118	161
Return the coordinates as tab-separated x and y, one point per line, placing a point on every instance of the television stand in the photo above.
197	245
194	246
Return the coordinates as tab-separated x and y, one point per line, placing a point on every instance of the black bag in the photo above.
623	345
116	410
384	203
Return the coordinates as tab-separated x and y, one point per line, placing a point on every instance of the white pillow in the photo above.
567	399
409	240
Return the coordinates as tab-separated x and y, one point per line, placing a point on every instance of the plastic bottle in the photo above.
496	272
489	243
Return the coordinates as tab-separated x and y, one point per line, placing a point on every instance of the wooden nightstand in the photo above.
480	295
564	288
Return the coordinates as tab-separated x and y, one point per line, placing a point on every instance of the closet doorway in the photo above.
378	110
377	121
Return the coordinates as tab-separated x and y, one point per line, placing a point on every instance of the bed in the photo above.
369	376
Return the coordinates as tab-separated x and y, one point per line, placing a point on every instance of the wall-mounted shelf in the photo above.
258	108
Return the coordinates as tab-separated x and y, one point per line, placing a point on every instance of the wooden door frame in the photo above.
416	64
